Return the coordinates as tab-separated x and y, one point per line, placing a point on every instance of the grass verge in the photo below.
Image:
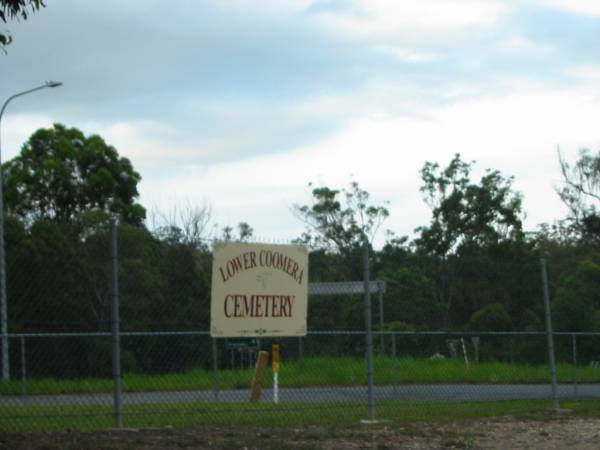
82	418
315	372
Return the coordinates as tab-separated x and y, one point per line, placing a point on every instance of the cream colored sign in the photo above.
259	290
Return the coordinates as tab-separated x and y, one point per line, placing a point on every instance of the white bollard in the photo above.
275	360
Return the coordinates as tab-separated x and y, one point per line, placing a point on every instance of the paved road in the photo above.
443	392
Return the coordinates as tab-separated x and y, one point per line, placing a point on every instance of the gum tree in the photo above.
63	176
472	223
580	192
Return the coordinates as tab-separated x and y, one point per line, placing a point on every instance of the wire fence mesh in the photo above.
172	372
171	378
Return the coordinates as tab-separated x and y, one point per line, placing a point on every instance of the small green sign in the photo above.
241	343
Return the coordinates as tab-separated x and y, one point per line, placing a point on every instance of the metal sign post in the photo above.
116	338
549	335
369	333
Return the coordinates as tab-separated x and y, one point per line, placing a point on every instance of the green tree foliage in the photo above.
410	286
576	308
16	9
141	281
60	280
47	281
338	311
340	224
244	233
472	224
470	269
578	299
467	215
63	176
580	192
186	224
60	284
493	317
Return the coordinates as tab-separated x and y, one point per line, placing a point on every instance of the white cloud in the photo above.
588	73
583	7
516	134
384	17
521	43
149	145
261	81
407	55
16	130
382	147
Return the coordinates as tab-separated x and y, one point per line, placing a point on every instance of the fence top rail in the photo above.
446	333
459	333
109	334
313	333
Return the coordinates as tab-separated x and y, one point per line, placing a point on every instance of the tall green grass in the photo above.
316	372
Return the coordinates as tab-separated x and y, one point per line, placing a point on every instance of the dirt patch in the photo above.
498	433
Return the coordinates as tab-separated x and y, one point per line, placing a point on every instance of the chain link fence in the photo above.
203	380
74	364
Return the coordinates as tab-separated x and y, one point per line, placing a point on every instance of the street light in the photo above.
3	311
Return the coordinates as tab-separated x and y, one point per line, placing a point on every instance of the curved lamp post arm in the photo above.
3	310
47	84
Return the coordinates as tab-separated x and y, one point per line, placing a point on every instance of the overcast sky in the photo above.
241	103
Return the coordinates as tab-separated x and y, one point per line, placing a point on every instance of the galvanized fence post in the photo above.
23	367
369	332
475	340
549	334
381	318
574	341
394	363
116	338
